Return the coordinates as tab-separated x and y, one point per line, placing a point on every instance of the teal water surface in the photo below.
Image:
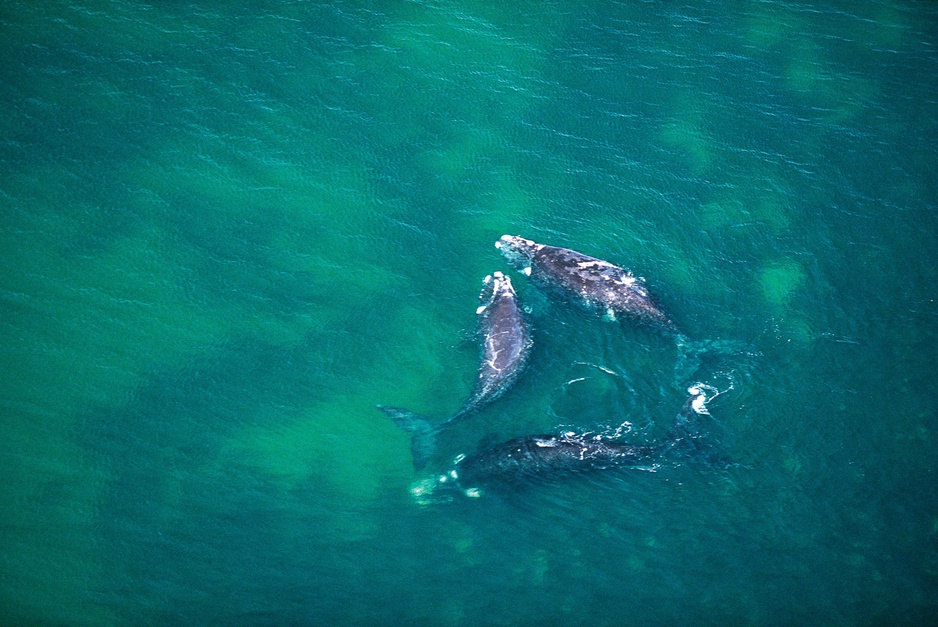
231	229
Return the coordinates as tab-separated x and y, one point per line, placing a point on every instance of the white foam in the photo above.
527	271
480	309
421	488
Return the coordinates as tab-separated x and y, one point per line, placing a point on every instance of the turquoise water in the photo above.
229	231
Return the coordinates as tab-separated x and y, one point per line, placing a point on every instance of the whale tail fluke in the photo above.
421	430
690	353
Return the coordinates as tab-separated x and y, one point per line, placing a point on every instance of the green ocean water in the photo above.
230	229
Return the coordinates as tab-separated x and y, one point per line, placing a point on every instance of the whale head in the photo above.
517	251
494	287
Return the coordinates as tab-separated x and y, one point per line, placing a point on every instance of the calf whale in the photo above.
506	346
534	457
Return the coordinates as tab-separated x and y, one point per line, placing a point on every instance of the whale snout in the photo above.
515	242
494	287
517	250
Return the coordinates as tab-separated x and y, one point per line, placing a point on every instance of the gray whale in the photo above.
505	348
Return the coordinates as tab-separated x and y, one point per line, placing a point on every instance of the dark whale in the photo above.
534	457
598	285
608	289
506	346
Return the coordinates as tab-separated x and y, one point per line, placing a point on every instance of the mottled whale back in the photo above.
544	456
597	284
506	343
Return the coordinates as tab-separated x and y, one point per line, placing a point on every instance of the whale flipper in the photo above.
421	430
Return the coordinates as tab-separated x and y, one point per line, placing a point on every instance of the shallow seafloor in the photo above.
229	231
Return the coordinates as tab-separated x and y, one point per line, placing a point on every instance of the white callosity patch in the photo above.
516	242
595	264
620	275
517	250
501	286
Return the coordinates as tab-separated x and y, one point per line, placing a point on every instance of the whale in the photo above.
528	459
506	344
596	284
614	292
